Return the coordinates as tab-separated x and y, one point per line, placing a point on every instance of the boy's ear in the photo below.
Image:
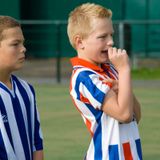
78	42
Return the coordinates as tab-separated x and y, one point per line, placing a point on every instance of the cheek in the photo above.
91	41
12	52
95	45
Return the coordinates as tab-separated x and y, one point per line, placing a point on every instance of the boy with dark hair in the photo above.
20	132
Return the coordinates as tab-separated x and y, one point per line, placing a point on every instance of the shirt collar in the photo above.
78	62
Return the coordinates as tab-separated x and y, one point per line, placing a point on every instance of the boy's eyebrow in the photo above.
105	34
19	40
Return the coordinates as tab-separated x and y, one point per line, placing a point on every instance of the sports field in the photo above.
65	135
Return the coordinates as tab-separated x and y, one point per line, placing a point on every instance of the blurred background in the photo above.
136	25
137	29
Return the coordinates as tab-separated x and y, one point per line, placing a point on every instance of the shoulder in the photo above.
82	76
21	82
83	73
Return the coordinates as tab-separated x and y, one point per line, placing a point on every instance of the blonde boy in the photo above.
101	86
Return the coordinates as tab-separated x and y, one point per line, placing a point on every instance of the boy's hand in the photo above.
118	58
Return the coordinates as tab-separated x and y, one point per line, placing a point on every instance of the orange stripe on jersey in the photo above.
87	122
78	61
127	151
73	72
89	125
84	99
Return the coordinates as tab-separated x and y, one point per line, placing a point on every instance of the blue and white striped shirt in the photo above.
20	132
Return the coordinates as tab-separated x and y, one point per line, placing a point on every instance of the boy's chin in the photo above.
18	67
105	60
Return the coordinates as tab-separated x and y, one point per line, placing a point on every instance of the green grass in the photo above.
149	125
65	135
146	73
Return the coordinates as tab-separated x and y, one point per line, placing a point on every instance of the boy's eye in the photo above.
14	44
102	37
105	36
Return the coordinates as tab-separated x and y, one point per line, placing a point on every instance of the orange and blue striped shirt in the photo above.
110	140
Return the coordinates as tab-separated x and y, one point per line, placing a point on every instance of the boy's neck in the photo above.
6	79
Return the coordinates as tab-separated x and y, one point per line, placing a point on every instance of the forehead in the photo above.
12	33
102	25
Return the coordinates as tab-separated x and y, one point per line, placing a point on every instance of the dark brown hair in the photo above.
7	22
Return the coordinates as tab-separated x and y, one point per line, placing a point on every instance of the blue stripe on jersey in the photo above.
113	152
139	149
21	125
97	113
84	78
3	154
37	138
28	108
97	138
6	124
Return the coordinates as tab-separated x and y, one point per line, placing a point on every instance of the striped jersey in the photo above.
20	132
110	139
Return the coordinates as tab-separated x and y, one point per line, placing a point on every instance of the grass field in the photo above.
65	135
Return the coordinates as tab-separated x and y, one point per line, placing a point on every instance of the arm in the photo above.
136	109
38	155
120	105
136	104
38	138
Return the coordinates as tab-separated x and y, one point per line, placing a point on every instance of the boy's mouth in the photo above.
105	51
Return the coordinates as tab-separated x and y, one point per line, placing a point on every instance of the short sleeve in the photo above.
92	89
38	137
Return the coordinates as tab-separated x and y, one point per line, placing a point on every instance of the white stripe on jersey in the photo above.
90	152
93	101
109	128
13	126
7	144
86	114
27	88
103	87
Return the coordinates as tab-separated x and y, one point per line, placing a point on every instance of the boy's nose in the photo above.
23	50
110	42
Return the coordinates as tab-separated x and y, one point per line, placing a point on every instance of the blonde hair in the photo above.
79	21
7	22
